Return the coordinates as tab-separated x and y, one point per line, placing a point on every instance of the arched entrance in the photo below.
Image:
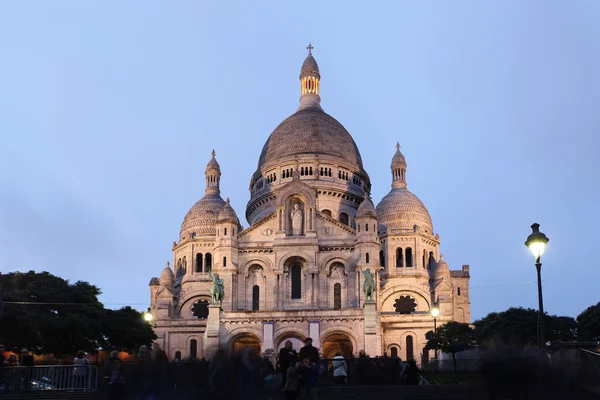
296	339
336	342
243	341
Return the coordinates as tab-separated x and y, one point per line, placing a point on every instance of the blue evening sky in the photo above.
109	111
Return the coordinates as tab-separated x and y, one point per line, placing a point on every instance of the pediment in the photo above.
328	226
164	293
262	231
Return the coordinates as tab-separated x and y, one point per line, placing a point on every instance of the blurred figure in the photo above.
116	384
81	371
287	358
310	376
411	373
11	361
26	358
309	351
247	375
220	379
340	369
292	382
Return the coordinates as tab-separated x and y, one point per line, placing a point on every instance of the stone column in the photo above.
268	341
213	329
371	321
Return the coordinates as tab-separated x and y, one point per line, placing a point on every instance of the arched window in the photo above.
207	262
193	349
296	281
409	257
326	212
198	262
184	265
394	352
410	353
224	231
367	258
458	291
430	261
367	227
337	296
344	219
425	259
399	258
224	261
255	298
358	226
381	259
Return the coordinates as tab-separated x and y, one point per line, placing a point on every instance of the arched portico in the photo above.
337	342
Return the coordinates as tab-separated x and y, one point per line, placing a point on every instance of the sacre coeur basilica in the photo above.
318	260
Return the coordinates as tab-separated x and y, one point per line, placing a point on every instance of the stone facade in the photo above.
298	269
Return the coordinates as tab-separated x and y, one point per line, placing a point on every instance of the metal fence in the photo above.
590	367
51	377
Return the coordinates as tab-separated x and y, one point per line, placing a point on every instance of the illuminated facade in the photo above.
297	270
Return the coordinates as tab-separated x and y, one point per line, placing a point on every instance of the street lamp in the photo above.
536	242
148	316
435	312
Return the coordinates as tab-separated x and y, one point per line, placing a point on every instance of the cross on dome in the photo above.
309	48
213	153
398	146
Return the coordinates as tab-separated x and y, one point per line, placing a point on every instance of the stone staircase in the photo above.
405	392
50	395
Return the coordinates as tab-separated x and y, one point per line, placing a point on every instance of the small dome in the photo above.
366	209
402	209
166	277
228	214
309	67
441	269
203	215
398	159
213	164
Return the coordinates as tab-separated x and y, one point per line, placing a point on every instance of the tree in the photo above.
589	322
50	315
518	326
126	330
452	337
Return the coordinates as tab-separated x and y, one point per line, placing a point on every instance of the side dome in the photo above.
310	131
400	208
228	214
166	277
442	270
203	216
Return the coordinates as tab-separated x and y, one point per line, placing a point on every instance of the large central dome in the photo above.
310	131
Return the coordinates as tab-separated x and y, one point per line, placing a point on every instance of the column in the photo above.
267	339
314	332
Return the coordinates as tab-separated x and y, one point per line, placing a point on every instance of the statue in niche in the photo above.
296	216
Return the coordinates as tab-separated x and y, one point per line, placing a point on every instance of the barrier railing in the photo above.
590	367
50	377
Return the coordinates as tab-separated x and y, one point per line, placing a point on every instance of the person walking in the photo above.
340	369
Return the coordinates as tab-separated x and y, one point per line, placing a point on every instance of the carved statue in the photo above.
369	285
217	291
296	216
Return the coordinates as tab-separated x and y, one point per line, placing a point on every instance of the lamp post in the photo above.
435	312
536	242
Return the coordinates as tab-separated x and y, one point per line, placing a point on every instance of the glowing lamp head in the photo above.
536	242
148	317
435	311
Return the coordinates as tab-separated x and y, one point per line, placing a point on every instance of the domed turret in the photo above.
442	271
400	209
309	82
203	215
228	214
166	277
366	209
